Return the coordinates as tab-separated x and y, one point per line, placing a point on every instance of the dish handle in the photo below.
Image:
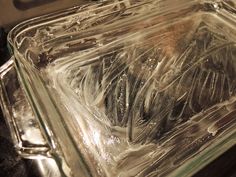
28	139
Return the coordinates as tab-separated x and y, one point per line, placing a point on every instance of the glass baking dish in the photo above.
118	91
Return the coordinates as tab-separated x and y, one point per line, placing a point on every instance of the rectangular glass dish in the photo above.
126	88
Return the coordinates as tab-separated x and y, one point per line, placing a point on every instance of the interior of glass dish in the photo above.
129	101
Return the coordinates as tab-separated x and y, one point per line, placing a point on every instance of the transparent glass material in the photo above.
24	127
126	88
25	130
